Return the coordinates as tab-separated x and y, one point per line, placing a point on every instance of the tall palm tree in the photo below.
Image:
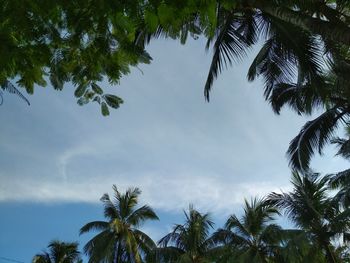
59	252
189	242
254	234
310	207
119	239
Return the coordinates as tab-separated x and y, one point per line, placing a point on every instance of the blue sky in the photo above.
57	158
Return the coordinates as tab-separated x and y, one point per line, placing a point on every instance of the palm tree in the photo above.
289	50
254	235
119	239
189	242
304	59
309	206
298	41
331	97
296	35
299	248
59	252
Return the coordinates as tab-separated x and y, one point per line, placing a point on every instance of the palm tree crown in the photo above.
254	236
189	242
119	239
59	252
311	208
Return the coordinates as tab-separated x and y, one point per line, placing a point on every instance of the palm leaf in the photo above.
234	36
335	30
141	214
9	87
95	225
313	135
101	247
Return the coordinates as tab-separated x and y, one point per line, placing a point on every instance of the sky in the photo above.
58	158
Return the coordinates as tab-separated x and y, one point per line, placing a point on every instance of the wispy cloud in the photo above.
165	140
168	193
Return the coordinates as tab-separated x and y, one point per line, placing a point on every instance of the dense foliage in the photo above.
321	233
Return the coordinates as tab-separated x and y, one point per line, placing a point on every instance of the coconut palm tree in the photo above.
295	36
299	248
59	252
310	207
254	235
331	97
119	239
298	42
304	58
189	242
289	50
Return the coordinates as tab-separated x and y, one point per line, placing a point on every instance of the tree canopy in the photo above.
304	57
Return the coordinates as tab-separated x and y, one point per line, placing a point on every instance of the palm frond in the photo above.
141	214
65	252
93	226
341	182
300	98
335	30
9	87
127	201
343	145
110	210
289	53
306	204
42	258
235	35
313	135
101	247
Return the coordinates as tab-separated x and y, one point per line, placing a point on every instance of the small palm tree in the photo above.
189	242
59	252
119	239
309	206
254	236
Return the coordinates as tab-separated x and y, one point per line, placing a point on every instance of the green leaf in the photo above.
56	82
166	14
82	101
113	101
145	58
97	88
104	109
151	20
80	90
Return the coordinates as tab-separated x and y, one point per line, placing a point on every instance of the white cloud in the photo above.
168	193
164	139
